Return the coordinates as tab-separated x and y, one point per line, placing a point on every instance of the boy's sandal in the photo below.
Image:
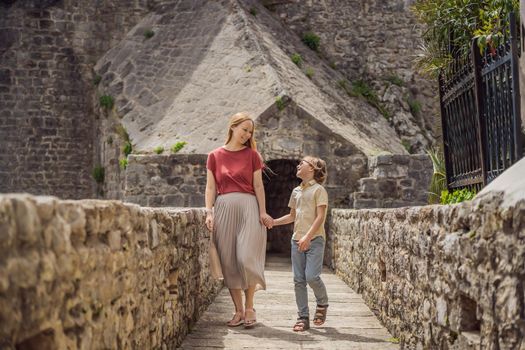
302	324
250	318
237	320
320	315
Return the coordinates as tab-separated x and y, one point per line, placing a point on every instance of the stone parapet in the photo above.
394	181
177	180
439	277
100	274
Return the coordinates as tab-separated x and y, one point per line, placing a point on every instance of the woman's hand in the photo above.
209	221
266	220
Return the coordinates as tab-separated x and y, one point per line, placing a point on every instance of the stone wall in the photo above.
375	41
394	181
439	277
177	180
99	274
47	94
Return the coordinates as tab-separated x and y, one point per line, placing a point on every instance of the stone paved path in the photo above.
350	323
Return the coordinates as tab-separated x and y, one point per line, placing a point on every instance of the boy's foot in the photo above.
237	319
250	318
320	315
302	324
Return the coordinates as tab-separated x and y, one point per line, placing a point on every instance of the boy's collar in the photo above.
308	183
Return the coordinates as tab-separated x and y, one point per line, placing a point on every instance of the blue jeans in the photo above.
307	267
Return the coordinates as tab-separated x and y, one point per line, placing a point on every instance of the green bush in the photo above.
97	79
123	163
121	131
148	33
394	79
158	149
128	148
457	196
309	72
253	11
311	40
106	101
279	102
98	174
178	146
361	88
297	59
415	106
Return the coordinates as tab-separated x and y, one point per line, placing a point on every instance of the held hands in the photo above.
266	220
304	243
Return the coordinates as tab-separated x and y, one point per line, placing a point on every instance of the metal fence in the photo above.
480	114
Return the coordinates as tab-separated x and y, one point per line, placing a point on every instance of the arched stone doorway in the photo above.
278	185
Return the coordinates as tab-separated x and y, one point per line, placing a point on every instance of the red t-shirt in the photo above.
233	170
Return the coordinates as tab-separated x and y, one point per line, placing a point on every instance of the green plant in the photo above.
279	102
178	146
148	33
415	106
393	340
361	88
406	144
394	79
253	11
98	174
96	79
457	196
123	163
297	59
106	101
158	149
311	40
343	84
438	183
309	72
128	148
122	133
452	24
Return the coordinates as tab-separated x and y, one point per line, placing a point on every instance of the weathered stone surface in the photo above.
95	278
444	277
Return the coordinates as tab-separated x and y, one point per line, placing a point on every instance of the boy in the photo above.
308	204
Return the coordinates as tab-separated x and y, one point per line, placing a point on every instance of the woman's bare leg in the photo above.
250	317
238	317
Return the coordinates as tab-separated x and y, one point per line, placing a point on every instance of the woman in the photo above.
236	214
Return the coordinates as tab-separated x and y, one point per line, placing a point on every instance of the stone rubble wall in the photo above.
100	274
439	277
394	181
176	180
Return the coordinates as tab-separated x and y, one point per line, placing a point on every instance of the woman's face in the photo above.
242	132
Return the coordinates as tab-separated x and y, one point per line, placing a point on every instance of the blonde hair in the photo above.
237	119
319	166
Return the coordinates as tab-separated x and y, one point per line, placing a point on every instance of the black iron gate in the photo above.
480	114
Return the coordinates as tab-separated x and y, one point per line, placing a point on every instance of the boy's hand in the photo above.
304	243
266	220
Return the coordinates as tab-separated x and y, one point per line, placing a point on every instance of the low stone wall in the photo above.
394	181
99	274
439	277
176	180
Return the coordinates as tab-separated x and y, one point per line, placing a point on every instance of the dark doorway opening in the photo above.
278	185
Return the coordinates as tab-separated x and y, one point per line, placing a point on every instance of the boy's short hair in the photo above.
319	166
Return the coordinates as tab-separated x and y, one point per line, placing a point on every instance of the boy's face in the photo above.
305	170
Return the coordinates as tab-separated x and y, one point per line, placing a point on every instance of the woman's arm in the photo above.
209	198
286	219
258	187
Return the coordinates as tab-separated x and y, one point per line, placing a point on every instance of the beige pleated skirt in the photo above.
240	240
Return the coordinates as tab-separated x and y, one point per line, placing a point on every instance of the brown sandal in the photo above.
302	324
250	321
320	315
